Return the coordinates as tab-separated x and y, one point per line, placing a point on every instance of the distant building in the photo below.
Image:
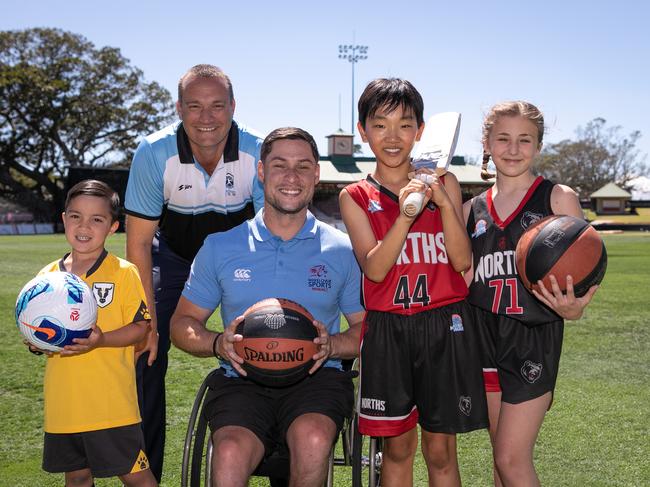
341	167
609	199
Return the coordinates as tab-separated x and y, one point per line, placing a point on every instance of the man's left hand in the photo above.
148	344
324	340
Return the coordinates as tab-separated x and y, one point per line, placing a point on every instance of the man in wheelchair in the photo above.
277	249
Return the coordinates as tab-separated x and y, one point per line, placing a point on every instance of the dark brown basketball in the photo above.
278	342
561	245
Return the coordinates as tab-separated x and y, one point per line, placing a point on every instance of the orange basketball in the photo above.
278	342
561	245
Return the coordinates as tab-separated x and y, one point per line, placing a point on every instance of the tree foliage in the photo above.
64	102
599	155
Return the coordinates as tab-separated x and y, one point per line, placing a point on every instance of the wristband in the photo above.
214	346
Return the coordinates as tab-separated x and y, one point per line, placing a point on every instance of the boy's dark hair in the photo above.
92	187
291	133
388	94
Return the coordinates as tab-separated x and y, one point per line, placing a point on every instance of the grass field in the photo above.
596	434
642	218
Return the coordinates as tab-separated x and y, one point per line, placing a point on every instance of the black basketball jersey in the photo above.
496	286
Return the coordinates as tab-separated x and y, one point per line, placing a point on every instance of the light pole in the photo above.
353	53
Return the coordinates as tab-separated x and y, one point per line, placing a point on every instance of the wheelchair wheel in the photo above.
195	444
366	459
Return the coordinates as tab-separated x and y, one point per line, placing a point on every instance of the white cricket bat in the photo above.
435	151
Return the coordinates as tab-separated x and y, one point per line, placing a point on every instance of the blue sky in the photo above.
576	60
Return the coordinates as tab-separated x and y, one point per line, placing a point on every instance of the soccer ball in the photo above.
53	309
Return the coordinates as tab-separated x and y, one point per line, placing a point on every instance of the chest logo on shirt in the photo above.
374	206
528	218
480	228
318	278
181	187
103	292
242	275
230	184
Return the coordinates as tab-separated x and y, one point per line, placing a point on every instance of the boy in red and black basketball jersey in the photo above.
418	349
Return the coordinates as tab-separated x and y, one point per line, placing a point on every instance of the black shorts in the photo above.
422	368
520	361
107	453
268	412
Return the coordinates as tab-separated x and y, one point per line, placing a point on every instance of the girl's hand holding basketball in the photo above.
225	345
324	340
565	304
83	345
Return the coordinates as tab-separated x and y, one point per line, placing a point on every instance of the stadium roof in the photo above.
340	169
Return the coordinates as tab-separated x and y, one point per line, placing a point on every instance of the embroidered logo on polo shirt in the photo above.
242	275
230	184
318	279
181	187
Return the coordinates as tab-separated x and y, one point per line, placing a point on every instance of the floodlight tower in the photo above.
353	53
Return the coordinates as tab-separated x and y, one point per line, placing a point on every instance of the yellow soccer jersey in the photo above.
96	390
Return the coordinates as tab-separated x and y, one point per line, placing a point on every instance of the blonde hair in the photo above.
509	109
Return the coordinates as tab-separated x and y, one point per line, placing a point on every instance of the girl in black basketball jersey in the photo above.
521	332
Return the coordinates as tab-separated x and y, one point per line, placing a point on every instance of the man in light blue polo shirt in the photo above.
282	252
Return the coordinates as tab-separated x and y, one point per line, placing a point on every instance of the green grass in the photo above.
596	434
642	218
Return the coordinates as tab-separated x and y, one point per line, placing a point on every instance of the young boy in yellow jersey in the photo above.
92	420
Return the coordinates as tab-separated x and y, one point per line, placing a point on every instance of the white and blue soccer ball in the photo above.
53	309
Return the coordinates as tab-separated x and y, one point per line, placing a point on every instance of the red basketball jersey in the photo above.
422	278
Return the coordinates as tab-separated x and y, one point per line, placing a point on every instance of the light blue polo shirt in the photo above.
316	268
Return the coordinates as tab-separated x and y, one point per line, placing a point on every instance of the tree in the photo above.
598	156
63	103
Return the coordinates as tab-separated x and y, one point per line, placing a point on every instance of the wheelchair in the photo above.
363	456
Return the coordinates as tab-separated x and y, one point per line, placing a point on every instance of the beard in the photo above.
283	210
286	211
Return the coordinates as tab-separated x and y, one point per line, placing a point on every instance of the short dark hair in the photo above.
205	71
388	94
92	187
291	133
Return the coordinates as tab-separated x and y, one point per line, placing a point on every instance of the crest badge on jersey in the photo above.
531	371
374	206
480	228
529	217
103	292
